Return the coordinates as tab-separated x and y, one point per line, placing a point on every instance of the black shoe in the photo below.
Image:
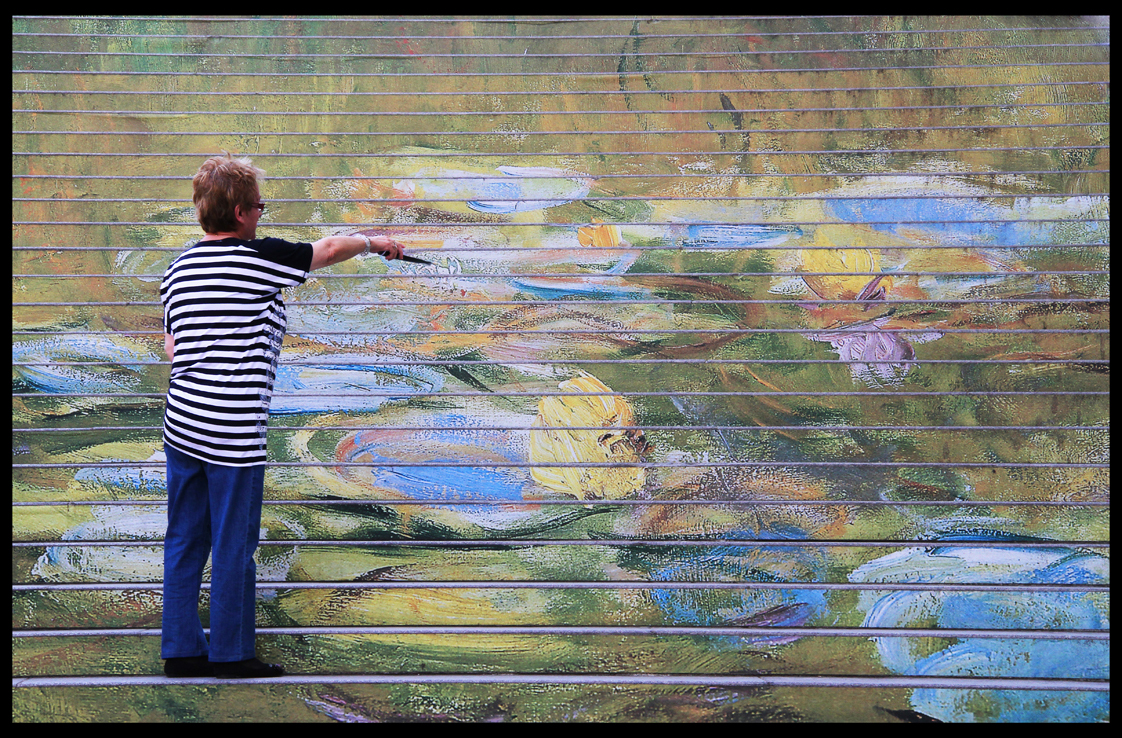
248	669
188	666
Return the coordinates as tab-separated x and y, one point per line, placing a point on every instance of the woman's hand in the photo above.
388	247
334	249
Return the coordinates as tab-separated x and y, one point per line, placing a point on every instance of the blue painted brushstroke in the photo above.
738	564
78	380
135	479
134	563
519	188
988	656
705	235
385	383
501	190
453	483
588	287
108	563
579	287
898	213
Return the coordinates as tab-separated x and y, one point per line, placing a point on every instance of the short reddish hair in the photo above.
221	184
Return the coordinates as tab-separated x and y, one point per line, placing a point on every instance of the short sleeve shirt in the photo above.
224	309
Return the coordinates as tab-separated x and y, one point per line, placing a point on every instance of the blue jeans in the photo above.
220	506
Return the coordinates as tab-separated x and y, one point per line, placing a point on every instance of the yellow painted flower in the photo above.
599	234
857	260
560	444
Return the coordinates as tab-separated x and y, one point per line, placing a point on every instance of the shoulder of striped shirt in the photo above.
243	252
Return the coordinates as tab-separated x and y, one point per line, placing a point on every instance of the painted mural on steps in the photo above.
345	355
440	393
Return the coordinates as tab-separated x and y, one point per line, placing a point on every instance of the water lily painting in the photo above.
758	370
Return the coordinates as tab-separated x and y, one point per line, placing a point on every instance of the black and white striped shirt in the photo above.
224	310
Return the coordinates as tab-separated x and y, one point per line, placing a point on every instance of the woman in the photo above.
224	321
